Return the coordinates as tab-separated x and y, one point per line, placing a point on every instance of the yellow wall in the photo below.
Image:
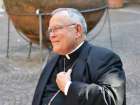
1	4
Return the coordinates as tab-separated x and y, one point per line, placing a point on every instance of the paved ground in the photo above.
19	75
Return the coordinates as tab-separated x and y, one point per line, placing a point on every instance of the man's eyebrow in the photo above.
56	26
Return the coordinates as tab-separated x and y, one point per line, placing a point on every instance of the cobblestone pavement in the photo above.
17	80
19	75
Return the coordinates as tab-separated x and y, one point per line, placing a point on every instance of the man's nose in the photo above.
52	34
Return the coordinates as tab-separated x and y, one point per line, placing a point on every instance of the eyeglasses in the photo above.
55	29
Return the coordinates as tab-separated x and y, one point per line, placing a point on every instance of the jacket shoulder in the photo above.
101	53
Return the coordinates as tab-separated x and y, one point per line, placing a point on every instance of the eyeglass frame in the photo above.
52	30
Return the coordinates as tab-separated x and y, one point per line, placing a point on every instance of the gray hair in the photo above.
74	15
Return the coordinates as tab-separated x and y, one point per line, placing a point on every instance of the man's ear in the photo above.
79	30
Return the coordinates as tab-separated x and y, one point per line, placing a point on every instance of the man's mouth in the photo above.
55	42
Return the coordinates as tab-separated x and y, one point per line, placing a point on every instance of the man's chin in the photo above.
58	51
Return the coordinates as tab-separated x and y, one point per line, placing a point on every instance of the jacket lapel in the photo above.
81	63
48	69
78	70
79	67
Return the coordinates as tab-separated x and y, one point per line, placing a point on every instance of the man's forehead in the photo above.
60	18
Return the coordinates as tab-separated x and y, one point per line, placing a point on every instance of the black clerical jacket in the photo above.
97	79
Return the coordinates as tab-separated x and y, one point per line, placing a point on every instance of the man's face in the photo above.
64	34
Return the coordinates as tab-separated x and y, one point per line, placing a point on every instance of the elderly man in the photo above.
79	73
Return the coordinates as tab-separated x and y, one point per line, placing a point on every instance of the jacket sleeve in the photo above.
107	89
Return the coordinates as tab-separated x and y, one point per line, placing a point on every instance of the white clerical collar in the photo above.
67	55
